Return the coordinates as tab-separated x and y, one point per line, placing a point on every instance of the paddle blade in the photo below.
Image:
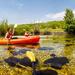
15	25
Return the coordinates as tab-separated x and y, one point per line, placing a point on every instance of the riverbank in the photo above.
52	31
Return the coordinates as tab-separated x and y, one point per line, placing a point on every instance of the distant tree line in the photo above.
35	28
67	24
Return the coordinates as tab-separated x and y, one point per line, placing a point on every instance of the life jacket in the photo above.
9	35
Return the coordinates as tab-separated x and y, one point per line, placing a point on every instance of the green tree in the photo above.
69	21
69	17
3	27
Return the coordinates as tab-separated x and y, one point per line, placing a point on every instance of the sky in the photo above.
31	11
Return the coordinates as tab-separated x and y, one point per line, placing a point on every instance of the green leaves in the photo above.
3	27
70	21
69	16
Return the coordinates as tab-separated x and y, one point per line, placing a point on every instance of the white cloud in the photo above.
53	17
57	16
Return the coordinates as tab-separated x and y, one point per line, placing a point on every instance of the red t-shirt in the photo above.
9	35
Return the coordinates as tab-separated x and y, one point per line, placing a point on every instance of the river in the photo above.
60	45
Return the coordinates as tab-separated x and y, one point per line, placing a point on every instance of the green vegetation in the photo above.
41	28
70	21
3	27
67	24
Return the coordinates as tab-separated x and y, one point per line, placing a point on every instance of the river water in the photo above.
60	45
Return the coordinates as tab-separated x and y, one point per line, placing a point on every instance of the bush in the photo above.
36	32
47	33
71	29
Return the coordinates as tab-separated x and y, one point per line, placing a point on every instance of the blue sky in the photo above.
29	11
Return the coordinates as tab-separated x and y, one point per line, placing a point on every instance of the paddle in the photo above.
15	25
13	31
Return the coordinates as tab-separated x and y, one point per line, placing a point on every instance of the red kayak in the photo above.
25	40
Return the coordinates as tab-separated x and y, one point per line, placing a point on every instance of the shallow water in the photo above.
63	45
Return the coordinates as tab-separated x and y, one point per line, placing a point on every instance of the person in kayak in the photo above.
26	34
9	33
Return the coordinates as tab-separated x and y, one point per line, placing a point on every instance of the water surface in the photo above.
60	45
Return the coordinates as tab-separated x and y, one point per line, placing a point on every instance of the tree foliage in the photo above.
3	27
69	16
70	21
32	28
